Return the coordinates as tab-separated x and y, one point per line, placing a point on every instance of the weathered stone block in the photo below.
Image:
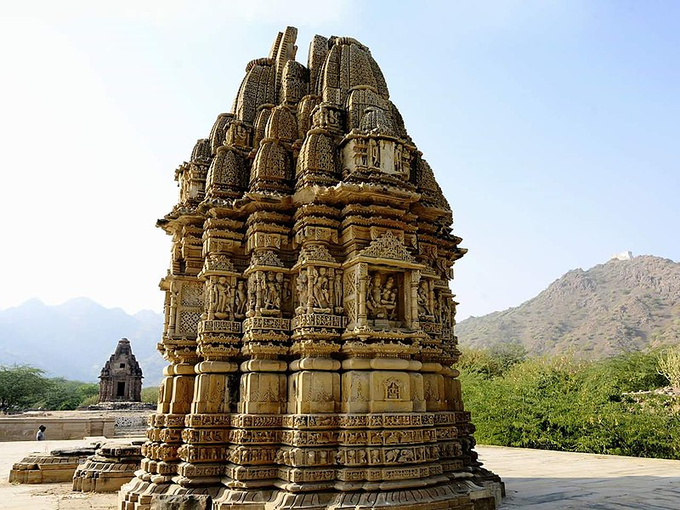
184	502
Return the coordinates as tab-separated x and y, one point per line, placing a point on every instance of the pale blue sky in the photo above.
553	128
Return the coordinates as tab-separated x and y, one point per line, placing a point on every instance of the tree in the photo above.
669	366
21	386
150	395
62	394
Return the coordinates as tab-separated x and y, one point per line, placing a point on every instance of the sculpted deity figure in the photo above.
389	298
398	156
279	291
381	299
374	153
302	290
338	289
221	298
424	299
373	298
324	117
271	292
240	135
392	390
445	313
320	288
174	300
254	293
360	158
241	299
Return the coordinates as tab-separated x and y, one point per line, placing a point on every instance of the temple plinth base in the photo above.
463	494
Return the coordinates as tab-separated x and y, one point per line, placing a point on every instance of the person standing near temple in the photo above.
40	435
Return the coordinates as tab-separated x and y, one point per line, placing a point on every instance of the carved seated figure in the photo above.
381	299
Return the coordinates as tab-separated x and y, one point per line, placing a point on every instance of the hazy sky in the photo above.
553	128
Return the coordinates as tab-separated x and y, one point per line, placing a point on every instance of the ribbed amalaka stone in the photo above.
308	315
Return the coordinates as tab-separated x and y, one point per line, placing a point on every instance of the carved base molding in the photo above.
463	494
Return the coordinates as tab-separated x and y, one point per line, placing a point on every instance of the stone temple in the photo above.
308	316
121	378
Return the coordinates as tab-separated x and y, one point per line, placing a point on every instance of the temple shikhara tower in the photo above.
121	378
308	315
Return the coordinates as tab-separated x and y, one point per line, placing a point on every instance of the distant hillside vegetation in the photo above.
620	306
75	339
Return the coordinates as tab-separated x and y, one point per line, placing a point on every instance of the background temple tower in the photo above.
309	323
121	378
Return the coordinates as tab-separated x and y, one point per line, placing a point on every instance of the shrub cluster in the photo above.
562	403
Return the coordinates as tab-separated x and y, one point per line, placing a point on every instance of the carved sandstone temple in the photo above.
121	378
309	320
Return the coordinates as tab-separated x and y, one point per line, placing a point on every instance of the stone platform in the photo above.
535	480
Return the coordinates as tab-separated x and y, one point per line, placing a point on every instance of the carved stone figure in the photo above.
320	286
221	298
374	153
338	290
374	299
389	298
445	312
253	292
424	299
271	291
241	300
302	288
398	158
381	299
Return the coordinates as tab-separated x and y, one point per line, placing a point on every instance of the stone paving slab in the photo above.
535	480
542	480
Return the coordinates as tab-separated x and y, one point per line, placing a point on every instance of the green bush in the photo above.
565	404
150	395
63	395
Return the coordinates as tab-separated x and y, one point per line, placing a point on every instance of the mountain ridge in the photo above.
48	337
619	306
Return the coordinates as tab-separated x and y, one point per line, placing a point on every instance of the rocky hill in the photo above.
75	339
620	306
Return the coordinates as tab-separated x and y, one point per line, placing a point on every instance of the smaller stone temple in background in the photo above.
121	378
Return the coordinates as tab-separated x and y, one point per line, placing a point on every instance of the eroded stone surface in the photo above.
112	465
55	466
308	315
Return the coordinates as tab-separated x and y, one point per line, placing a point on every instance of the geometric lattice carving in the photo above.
188	322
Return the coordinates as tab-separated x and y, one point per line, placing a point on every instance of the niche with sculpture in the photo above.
385	298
